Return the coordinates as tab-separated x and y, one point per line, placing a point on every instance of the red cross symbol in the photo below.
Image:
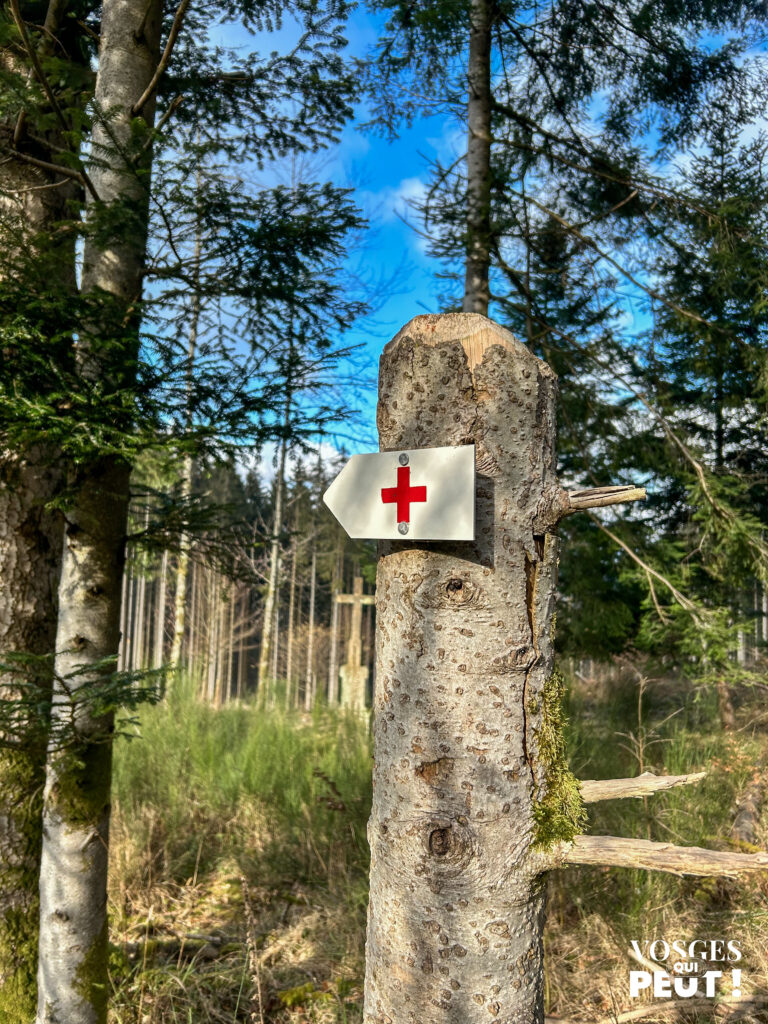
403	494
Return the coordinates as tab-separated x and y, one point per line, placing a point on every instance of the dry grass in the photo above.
244	910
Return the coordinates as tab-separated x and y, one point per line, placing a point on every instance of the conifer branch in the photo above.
79	176
32	54
685	603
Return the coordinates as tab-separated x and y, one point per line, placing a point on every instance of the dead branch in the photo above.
593	790
599	497
615	851
178	21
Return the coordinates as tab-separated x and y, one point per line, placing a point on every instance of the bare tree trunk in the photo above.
30	547
182	573
309	679
222	646
37	263
139	630
72	976
157	658
274	559
37	276
122	662
290	637
214	602
230	640
464	688
193	654
276	635
478	252
333	661
241	650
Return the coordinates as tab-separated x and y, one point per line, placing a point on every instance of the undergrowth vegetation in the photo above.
239	860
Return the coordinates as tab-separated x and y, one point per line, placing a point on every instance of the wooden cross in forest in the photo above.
354	675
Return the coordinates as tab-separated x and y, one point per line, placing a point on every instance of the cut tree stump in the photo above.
464	654
472	799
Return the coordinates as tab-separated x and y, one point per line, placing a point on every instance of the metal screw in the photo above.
402	527
403	460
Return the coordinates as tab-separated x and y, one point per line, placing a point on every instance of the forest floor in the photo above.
239	861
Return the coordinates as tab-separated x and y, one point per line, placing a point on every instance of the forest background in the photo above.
228	270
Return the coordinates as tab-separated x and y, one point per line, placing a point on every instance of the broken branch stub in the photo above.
647	855
464	658
600	497
594	790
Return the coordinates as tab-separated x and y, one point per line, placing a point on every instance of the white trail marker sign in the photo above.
413	494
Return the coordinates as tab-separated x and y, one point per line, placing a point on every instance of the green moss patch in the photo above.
559	810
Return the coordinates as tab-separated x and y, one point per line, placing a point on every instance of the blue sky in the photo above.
400	279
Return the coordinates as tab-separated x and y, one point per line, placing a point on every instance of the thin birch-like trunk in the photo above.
231	640
309	679
241	649
214	601
73	983
333	660
124	613
478	248
290	637
272	581
182	574
276	635
222	647
193	654
157	658
140	621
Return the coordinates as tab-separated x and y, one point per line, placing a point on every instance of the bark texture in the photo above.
464	661
478	253
37	263
72	977
30	545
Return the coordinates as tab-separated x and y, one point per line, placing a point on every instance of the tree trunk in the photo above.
241	649
289	638
37	263
465	709
182	574
275	638
232	590
478	251
122	663
182	568
159	638
309	688
30	548
333	661
72	977
212	660
274	559
139	625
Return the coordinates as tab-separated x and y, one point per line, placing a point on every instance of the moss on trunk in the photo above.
559	811
22	778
